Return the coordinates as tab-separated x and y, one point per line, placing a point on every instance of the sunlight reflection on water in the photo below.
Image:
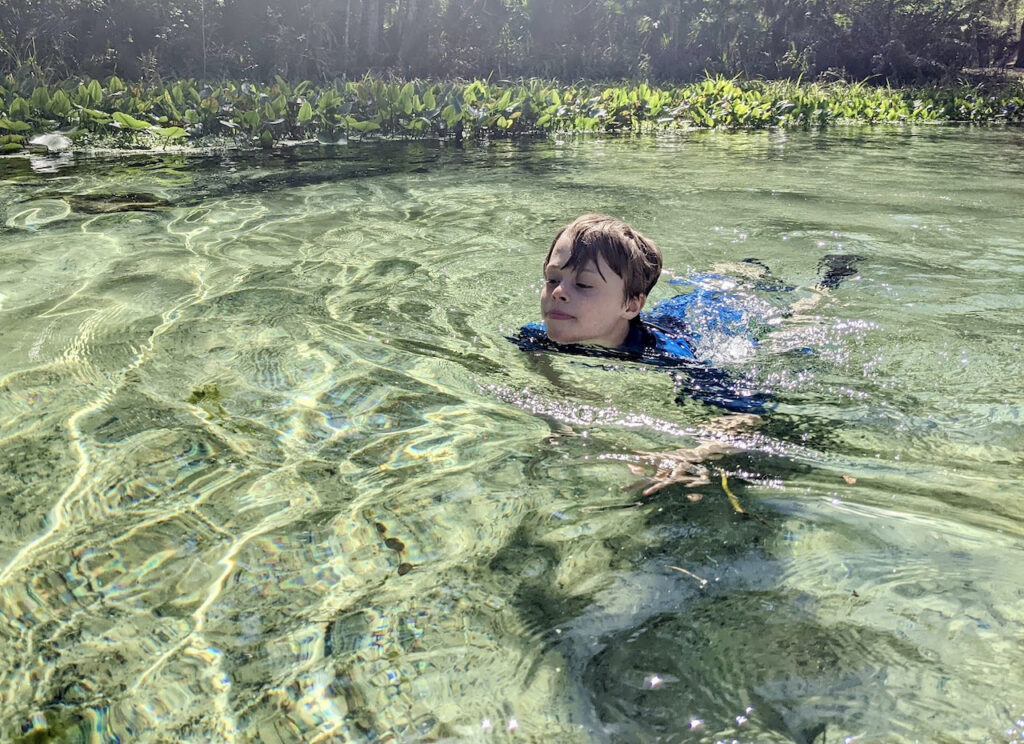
271	470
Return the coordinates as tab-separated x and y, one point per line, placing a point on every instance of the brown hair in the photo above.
629	253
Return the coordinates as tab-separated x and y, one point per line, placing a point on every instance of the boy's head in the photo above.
597	275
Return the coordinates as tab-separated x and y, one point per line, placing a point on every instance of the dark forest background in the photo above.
901	41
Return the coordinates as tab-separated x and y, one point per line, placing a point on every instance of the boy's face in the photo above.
584	306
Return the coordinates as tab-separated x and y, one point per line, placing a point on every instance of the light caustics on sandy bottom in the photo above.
270	470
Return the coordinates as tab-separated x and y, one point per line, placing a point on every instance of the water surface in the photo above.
271	471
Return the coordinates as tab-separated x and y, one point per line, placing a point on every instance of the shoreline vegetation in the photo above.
37	117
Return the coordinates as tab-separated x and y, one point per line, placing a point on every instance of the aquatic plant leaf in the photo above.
95	92
40	98
60	104
130	122
365	126
14	126
20	109
305	113
170	133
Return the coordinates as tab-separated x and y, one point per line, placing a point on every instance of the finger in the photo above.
659	486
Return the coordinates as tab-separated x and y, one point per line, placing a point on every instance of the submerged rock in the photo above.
53	142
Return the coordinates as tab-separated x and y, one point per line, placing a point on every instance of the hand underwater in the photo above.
686	466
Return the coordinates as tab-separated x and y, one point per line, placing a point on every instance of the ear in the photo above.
633	306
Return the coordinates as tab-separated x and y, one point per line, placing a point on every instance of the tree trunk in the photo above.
371	29
346	54
412	33
1020	48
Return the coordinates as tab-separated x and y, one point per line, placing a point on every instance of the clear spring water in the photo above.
271	472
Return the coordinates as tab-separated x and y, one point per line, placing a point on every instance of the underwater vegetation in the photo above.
80	113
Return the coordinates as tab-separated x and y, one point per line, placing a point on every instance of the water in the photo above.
270	470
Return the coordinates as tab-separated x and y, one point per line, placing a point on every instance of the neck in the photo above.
618	337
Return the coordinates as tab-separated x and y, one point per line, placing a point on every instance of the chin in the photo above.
559	336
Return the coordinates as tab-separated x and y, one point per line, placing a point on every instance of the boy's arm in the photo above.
687	467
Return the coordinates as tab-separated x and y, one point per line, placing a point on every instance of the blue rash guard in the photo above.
672	335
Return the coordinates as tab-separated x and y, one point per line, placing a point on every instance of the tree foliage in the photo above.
666	40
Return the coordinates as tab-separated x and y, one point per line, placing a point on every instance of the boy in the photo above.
598	273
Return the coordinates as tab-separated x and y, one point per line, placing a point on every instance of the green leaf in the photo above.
20	109
170	133
114	85
95	92
101	117
251	121
14	126
40	99
305	113
10	147
129	121
450	115
177	96
60	104
365	126
171	108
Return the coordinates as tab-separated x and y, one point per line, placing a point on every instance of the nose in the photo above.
559	293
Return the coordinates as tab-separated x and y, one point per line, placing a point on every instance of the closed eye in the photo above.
581	285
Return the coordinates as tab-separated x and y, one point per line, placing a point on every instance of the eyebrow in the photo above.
585	270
